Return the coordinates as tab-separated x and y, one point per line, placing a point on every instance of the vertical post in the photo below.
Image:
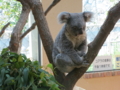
33	40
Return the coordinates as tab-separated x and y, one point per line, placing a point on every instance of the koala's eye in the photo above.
81	28
74	27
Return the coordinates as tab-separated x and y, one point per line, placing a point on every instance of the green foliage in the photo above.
10	10
112	0
17	72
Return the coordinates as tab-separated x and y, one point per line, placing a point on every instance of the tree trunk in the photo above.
15	37
93	48
44	33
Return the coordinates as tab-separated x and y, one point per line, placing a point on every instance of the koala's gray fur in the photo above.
71	43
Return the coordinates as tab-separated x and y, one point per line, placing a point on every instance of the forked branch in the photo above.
27	31
94	47
55	2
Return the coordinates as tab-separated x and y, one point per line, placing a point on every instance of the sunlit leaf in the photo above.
2	73
20	58
50	66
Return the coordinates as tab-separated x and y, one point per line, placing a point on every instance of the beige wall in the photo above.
102	83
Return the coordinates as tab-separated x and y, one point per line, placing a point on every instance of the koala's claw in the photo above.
82	54
85	64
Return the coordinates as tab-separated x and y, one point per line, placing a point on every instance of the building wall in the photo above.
101	83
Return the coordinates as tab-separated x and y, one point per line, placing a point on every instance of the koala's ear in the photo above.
87	16
63	17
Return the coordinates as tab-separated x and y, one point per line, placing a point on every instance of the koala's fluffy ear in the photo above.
87	16
63	17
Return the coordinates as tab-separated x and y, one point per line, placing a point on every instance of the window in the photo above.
9	12
109	55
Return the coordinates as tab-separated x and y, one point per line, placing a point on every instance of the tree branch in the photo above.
3	29
44	32
94	47
46	12
15	37
27	31
51	6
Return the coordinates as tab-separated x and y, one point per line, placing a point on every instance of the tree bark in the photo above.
42	25
44	33
15	37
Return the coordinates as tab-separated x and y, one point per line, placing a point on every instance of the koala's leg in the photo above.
82	49
64	63
81	53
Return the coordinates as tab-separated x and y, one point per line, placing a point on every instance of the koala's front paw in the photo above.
82	54
85	64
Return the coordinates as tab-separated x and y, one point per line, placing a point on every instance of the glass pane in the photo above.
109	55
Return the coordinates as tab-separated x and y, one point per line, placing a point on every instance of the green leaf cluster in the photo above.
17	72
10	11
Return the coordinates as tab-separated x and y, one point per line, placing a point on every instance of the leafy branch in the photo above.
17	72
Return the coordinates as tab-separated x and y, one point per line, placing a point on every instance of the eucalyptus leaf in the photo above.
20	58
34	87
17	72
2	74
1	62
50	66
25	75
9	81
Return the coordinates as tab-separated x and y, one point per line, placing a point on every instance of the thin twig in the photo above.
28	30
3	29
51	6
34	24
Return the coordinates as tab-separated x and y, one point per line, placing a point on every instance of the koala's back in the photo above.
58	44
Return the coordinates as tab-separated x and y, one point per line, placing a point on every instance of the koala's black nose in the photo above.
80	32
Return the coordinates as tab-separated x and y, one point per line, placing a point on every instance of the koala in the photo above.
70	45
